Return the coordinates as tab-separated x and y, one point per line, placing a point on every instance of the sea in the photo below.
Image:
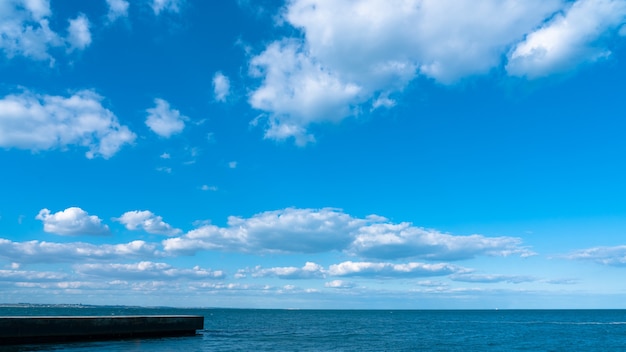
359	330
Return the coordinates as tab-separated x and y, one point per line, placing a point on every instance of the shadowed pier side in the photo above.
35	329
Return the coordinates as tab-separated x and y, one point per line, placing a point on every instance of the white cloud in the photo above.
283	231
38	8
27	276
147	270
386	241
390	270
43	122
380	270
25	29
117	9
159	6
322	230
298	91
208	188
568	40
50	252
79	36
308	271
339	284
221	86
147	221
614	256
232	164
165	121
360	52
165	156
72	222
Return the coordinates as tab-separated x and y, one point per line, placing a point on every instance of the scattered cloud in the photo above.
25	30
390	241
339	284
378	270
357	53
147	221
164	120
308	271
571	38
117	9
221	86
165	156
283	231
43	122
613	256
297	91
79	36
389	270
72	222
50	252
174	6
294	230
146	270
208	188
26	276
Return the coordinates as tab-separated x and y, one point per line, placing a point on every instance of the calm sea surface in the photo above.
363	330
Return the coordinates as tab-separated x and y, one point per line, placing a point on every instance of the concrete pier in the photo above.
36	329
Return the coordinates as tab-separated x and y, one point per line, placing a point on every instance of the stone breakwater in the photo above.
36	329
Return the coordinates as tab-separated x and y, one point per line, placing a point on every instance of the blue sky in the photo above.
313	153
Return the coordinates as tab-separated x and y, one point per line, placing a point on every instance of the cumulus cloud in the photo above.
146	270
442	39
25	29
283	231
569	39
164	120
355	53
340	284
308	271
79	36
43	122
298	91
294	230
50	252
613	256
159	6
147	221
72	222
117	9
387	241
221	86
380	270
27	276
389	270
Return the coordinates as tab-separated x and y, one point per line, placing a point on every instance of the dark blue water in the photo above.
364	330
